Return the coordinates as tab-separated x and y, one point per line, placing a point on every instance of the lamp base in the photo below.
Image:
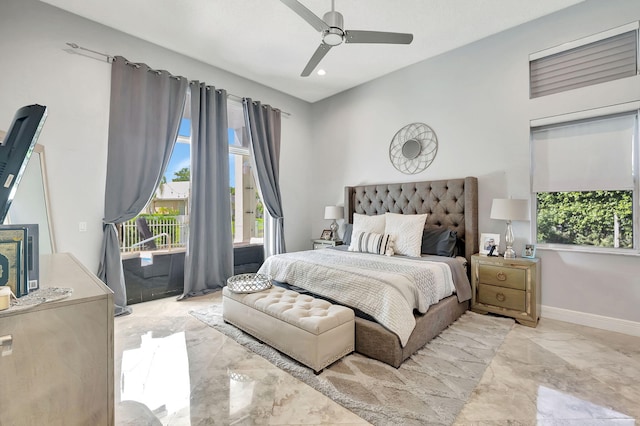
334	230
509	253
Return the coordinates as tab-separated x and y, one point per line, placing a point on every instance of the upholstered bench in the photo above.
312	331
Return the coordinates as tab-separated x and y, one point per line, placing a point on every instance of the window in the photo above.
168	210
584	169
596	59
247	210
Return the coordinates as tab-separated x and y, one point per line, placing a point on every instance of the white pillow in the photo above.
366	223
407	231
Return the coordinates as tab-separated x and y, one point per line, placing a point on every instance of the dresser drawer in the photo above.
501	296
503	276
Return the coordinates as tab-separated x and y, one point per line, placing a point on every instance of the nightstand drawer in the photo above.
502	276
321	244
501	296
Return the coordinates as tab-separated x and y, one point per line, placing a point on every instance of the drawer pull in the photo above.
501	276
500	297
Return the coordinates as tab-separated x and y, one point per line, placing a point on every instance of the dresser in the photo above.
509	287
56	360
320	244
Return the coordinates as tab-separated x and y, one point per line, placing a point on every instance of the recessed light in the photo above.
321	72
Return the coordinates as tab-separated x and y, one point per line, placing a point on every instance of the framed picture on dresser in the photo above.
12	273
489	241
29	234
529	251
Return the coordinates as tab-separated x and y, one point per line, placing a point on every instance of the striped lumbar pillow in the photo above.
370	242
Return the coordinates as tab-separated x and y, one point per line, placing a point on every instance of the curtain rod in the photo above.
109	59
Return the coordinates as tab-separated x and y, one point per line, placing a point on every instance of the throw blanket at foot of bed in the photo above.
387	288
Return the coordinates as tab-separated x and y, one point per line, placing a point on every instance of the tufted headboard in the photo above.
451	203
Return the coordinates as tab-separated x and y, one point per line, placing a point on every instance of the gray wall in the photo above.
34	68
476	100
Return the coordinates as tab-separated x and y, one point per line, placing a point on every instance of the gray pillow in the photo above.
348	229
439	242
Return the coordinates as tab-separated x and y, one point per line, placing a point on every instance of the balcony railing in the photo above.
172	232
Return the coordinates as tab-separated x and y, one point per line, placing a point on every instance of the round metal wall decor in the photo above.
413	148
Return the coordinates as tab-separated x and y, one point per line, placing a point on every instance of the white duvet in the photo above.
387	288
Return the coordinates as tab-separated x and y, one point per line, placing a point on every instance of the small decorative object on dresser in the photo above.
509	287
326	234
324	243
487	241
529	251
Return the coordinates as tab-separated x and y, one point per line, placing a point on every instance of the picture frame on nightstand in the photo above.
529	251
326	234
487	241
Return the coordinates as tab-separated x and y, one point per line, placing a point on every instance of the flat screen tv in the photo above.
16	149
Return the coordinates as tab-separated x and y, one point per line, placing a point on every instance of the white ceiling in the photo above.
265	41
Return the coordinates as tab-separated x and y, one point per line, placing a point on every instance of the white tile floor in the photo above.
172	369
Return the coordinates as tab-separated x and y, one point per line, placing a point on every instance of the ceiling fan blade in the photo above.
315	59
377	37
306	14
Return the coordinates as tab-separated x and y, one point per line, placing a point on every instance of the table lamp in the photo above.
333	212
509	209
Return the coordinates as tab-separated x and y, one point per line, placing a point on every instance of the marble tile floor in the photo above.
172	369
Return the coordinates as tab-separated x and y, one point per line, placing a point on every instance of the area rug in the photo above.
430	388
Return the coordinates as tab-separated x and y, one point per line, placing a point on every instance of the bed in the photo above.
450	204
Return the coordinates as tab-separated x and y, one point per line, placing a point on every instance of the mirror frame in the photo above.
39	149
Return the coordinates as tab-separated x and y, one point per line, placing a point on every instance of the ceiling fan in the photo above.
333	34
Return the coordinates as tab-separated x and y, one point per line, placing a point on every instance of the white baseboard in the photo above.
591	320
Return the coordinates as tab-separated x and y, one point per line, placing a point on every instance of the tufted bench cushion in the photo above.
312	331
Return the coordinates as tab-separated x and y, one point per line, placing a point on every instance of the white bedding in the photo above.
387	288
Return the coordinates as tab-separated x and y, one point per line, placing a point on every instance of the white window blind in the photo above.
586	155
595	62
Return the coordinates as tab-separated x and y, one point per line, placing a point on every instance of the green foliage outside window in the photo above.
182	175
585	218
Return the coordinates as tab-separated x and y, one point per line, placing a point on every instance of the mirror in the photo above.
411	149
31	202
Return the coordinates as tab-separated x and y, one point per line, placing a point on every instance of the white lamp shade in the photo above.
333	212
510	209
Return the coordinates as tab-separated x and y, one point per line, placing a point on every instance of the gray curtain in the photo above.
263	123
209	258
146	108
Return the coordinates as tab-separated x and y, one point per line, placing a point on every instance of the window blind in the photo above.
596	62
587	155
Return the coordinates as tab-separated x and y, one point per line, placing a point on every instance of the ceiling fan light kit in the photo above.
333	36
331	27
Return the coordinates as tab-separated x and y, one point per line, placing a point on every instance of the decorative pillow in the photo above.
407	231
366	223
370	242
439	242
348	231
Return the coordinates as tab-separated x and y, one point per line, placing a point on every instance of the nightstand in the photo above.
509	287
320	244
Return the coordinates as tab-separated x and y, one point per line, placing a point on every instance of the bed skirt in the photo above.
375	341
